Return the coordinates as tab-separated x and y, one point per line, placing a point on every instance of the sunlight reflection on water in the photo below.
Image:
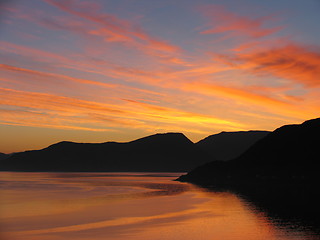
47	206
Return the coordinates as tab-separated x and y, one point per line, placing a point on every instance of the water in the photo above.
130	206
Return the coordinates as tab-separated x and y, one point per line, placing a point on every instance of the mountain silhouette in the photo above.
279	174
170	152
289	151
229	145
3	156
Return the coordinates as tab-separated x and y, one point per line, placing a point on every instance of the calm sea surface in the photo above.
130	206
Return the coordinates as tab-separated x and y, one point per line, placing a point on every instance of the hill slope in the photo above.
171	152
229	145
289	151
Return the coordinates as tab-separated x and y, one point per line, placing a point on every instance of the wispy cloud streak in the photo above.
114	29
224	21
293	62
100	116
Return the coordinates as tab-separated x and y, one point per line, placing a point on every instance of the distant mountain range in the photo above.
289	152
160	152
3	156
229	145
172	152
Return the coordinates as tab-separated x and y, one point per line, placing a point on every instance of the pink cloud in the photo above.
85	19
55	76
226	21
112	28
57	61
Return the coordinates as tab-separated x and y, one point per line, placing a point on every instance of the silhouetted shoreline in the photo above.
169	152
279	173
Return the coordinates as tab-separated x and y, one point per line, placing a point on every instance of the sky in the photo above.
118	70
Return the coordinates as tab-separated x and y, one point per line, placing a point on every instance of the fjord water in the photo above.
61	206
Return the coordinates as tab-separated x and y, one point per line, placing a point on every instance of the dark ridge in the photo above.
170	138
170	152
291	150
279	173
3	156
229	145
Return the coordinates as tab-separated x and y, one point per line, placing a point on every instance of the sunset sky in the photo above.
117	70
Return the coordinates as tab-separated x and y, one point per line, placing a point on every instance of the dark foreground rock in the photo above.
291	151
280	173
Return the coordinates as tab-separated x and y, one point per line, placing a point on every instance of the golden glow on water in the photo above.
47	206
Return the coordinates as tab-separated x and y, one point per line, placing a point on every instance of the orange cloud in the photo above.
68	112
293	62
18	117
233	93
226	21
180	118
283	105
194	79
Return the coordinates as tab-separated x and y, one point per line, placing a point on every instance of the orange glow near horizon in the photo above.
96	71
